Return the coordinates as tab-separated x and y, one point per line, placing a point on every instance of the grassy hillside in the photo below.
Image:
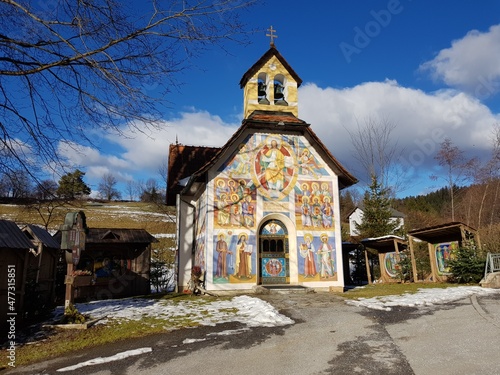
99	215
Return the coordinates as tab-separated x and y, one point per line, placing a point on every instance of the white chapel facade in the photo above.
264	210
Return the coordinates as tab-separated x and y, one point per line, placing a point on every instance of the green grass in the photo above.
387	289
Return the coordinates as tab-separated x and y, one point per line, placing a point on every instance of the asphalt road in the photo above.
328	337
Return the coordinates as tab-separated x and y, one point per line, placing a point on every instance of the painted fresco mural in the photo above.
391	264
268	174
444	253
234	257
317	257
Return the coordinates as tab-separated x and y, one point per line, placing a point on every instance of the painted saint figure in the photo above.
223	252
327	212
273	163
325	259
306	212
247	210
243	258
307	251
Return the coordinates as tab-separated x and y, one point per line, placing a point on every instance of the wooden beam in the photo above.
413	261
368	273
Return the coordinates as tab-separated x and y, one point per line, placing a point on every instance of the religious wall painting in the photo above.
444	253
313	205
235	202
273	228
391	264
275	167
234	257
239	164
273	268
327	267
309	165
316	257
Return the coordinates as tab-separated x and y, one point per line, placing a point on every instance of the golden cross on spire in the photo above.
271	35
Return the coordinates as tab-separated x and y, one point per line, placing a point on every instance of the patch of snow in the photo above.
100	360
424	297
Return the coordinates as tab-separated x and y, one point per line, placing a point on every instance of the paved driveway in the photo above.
329	337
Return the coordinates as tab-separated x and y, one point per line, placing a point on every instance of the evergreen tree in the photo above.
71	185
377	212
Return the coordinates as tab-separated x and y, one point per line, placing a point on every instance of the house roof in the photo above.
443	232
11	236
42	235
394	213
183	161
260	63
280	123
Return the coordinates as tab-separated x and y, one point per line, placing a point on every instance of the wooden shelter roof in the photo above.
11	236
385	244
443	232
115	236
42	235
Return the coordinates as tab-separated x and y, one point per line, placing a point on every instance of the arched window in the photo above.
262	88
280	90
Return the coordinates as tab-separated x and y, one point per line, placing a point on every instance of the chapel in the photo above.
263	210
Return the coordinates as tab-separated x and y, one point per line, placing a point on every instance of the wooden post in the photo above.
432	259
69	287
368	273
413	261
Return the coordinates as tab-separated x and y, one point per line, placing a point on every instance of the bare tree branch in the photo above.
86	67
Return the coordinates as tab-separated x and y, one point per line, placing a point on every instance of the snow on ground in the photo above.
99	360
253	312
424	297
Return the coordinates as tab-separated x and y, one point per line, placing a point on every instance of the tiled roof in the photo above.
184	161
274	116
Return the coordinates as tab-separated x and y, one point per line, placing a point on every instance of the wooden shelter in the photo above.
442	241
114	264
42	267
27	265
389	250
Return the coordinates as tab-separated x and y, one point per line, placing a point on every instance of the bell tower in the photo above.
270	84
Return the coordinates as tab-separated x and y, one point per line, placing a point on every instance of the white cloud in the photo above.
138	155
471	63
422	121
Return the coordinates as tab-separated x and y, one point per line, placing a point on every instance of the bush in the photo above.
72	316
404	268
467	266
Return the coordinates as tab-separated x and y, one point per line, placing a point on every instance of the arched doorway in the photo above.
273	253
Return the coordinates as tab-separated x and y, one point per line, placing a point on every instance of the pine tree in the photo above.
377	212
71	185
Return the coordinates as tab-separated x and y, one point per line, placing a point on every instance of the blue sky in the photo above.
432	68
